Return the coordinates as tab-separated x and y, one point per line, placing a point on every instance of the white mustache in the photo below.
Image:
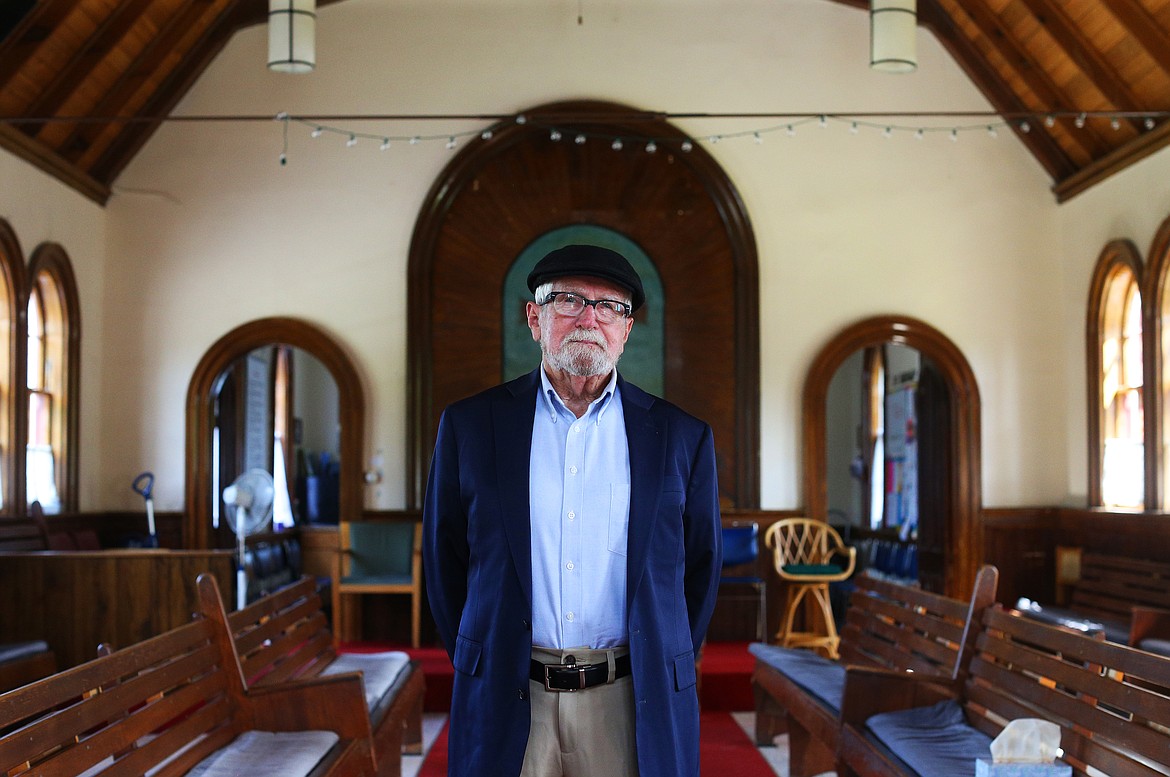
586	336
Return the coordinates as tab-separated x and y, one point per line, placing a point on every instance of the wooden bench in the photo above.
23	662
1109	700
285	636
177	702
887	625
1104	590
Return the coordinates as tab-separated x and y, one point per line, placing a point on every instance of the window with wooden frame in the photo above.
11	283
1116	380
51	375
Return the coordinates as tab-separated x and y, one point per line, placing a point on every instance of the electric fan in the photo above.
251	494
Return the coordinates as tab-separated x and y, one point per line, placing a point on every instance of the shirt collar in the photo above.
554	405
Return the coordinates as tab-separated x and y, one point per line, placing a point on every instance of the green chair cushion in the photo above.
812	569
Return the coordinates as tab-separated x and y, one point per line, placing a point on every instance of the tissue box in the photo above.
986	768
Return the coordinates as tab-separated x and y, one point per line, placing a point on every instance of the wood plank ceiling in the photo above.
1085	84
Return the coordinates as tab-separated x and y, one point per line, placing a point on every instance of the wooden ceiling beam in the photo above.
1090	60
1052	157
84	138
88	55
162	101
1145	28
37	26
1039	83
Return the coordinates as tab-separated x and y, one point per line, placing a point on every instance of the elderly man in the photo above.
572	549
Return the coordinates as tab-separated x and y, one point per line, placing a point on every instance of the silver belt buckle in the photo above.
571	663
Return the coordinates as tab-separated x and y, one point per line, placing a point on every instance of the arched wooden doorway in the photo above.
200	414
589	165
963	536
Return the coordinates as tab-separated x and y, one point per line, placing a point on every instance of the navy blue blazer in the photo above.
478	567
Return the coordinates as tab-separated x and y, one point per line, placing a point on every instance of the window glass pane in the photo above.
1123	460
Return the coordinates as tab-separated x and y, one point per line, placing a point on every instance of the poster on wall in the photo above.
901	509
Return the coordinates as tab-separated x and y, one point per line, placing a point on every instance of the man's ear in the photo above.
532	311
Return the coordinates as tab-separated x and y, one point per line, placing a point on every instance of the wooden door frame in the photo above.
964	529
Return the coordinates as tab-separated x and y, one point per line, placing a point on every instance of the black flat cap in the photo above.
592	261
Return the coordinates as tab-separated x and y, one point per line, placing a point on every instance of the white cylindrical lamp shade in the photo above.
893	32
292	31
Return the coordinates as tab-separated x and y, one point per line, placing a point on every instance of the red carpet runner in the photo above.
723	749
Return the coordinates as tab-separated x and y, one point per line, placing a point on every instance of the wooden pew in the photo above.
285	636
1104	593
121	596
896	627
166	704
23	662
1110	701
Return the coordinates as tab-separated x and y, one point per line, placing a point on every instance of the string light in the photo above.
855	123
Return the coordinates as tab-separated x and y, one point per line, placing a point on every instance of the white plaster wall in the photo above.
42	210
1131	205
207	230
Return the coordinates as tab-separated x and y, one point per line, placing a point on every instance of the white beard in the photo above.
578	358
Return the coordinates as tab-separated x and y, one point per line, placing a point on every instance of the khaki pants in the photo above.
581	733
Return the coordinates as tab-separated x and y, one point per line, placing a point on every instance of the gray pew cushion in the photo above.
10	651
934	740
268	754
823	678
379	671
1159	646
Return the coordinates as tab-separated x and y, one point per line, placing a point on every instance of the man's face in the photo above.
581	345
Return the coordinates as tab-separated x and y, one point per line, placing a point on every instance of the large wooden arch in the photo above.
963	527
517	183
201	416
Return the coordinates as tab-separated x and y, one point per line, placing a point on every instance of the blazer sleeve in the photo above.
704	539
445	548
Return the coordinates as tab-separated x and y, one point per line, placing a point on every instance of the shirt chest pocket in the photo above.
619	517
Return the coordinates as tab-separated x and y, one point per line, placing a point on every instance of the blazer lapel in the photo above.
512	417
647	443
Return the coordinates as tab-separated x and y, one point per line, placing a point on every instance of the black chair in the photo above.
741	568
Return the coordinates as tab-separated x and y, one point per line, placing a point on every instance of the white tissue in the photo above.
1027	741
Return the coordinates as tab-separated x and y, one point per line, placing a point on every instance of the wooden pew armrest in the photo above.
329	703
870	690
1148	622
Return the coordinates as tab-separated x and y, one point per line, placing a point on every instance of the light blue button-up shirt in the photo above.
579	492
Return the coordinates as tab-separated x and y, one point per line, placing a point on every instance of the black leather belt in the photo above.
571	676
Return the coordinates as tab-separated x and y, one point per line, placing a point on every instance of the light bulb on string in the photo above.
450	142
579	140
954	134
1149	123
687	146
616	145
1025	127
919	133
651	147
887	132
1080	120
790	130
316	133
992	131
351	142
822	121
385	144
486	134
759	139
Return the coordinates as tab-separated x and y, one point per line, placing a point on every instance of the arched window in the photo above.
53	338
11	284
1115	360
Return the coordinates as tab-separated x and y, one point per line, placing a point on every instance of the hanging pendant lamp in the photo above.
292	30
893	27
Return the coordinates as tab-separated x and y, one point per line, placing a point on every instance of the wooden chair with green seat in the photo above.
378	557
805	553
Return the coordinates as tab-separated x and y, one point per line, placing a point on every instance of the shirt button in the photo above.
569	617
572	470
572	515
577	428
569	565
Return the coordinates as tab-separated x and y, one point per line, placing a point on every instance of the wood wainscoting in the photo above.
75	600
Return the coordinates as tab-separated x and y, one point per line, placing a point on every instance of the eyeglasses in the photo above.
566	303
